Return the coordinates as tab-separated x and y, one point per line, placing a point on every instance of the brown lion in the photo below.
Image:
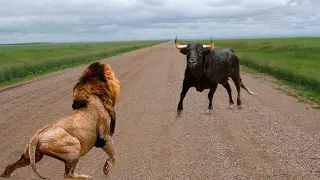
89	125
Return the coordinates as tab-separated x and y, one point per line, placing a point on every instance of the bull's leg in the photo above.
210	96
184	91
23	161
236	80
109	149
227	86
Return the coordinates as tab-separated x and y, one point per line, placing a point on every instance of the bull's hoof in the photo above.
209	111
239	107
179	111
231	106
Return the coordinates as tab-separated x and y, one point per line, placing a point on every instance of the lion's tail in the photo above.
32	155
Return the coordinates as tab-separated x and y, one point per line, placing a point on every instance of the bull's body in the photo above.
207	68
218	66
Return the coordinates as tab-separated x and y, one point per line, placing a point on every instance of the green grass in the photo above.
295	61
19	62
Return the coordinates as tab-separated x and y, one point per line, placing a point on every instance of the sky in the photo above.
118	20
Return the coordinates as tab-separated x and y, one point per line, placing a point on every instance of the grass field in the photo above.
296	61
18	62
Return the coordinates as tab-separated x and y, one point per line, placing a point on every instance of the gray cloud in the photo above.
96	20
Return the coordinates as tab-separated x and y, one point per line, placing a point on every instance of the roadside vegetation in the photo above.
294	61
24	61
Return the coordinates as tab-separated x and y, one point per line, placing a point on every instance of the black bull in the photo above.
206	68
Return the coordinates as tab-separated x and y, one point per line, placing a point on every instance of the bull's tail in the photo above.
32	155
244	87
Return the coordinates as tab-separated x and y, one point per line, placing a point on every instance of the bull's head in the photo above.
195	52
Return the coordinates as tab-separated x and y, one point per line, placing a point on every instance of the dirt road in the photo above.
272	137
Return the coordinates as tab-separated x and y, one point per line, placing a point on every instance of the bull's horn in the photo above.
209	46
179	46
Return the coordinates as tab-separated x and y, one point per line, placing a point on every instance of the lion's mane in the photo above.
98	80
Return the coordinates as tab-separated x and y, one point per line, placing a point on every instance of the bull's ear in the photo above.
206	51
183	51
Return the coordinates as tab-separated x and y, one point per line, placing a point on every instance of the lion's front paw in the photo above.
107	167
106	170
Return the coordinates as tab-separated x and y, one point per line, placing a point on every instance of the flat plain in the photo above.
272	137
24	61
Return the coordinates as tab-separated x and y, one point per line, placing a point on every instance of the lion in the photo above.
88	125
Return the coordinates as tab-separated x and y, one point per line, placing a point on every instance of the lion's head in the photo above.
99	80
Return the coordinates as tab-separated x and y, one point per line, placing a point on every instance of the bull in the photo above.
206	68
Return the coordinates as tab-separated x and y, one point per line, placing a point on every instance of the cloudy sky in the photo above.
108	20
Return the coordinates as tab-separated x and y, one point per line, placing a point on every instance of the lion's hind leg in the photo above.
64	147
69	171
23	161
109	149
